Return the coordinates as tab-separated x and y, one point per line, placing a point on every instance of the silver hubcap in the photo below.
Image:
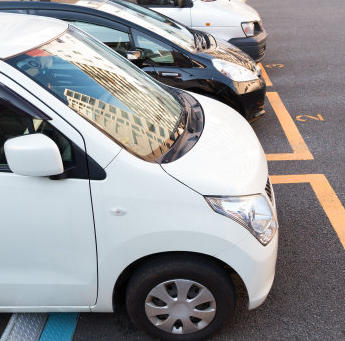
180	306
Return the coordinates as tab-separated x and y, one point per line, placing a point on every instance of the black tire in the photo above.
186	267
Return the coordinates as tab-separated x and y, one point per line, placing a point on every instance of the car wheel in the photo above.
180	298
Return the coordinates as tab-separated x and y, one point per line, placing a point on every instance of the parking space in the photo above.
303	136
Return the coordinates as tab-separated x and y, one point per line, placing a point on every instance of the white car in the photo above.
115	186
233	21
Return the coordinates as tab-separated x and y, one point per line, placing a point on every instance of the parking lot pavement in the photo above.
305	62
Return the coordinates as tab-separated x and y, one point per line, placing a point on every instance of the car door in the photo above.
48	250
172	67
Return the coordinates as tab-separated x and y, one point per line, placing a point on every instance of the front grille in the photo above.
268	189
262	50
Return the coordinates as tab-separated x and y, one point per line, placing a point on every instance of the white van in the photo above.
231	20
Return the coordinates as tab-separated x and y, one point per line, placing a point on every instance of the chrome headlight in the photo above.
233	71
248	28
252	211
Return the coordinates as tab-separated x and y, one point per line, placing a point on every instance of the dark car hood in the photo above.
230	53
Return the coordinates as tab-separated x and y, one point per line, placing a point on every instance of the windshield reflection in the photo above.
140	134
103	87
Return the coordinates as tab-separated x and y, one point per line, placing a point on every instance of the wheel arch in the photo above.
119	289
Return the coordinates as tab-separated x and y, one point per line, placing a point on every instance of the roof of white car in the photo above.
20	32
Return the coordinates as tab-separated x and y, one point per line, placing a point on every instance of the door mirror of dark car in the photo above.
33	155
134	55
181	3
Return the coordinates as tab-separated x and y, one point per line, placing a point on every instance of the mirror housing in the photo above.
181	3
134	55
33	155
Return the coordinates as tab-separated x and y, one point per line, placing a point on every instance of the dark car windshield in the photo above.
110	92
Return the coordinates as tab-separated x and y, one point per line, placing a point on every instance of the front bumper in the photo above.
248	98
255	264
255	46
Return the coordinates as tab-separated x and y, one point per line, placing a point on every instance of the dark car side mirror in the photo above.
134	55
181	3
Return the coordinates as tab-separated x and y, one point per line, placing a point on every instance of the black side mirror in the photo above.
134	55
181	3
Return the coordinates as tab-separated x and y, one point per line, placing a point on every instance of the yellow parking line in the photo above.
265	76
299	147
325	194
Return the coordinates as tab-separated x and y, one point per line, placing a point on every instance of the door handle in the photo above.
170	74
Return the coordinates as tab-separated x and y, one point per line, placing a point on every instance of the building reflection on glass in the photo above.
138	133
112	93
133	112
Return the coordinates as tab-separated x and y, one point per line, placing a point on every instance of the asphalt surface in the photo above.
307	300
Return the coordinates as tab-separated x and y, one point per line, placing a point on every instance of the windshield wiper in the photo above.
202	41
198	40
182	120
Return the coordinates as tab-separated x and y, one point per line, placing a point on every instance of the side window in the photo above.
153	49
13	124
117	40
182	60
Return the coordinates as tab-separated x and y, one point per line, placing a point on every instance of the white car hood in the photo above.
227	159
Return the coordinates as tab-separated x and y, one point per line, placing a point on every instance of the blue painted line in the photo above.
60	327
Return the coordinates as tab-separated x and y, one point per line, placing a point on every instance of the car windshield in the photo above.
146	18
118	98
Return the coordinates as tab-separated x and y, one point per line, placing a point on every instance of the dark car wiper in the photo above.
202	41
207	40
198	40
